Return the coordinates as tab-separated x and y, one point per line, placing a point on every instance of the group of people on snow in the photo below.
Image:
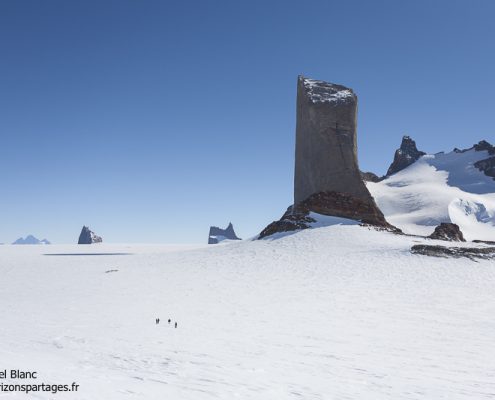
157	321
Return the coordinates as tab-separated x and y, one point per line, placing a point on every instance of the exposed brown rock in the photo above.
448	231
346	206
294	219
336	204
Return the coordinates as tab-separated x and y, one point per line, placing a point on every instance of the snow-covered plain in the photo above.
336	312
440	188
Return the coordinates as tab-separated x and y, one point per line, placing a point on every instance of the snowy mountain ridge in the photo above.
442	187
30	239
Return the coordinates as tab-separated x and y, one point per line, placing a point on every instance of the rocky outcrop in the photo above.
487	166
88	237
448	231
472	253
294	219
328	203
483	145
404	156
30	239
370	177
491	242
217	234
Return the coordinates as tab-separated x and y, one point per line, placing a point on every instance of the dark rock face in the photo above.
483	145
472	253
484	241
370	177
335	204
88	237
448	231
404	156
326	145
217	234
487	166
344	205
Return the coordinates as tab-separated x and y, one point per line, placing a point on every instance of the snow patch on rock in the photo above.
325	92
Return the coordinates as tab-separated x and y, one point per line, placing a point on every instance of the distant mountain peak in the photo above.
405	155
483	145
87	236
217	234
30	239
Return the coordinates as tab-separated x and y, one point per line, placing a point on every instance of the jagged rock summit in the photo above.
327	179
30	239
448	231
405	155
408	154
218	235
88	237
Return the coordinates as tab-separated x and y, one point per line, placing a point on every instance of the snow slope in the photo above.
440	188
337	312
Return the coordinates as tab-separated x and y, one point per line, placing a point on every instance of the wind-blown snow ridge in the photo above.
440	188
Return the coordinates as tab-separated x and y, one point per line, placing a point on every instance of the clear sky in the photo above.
149	121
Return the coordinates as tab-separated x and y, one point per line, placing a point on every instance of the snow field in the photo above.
337	312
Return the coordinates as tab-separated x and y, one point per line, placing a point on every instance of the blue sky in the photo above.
151	120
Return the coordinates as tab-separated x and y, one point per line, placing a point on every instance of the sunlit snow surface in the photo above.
337	312
440	188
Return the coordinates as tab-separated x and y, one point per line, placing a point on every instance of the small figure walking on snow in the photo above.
169	321
176	324
157	320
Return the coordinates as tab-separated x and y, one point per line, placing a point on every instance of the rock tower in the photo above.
327	179
326	144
